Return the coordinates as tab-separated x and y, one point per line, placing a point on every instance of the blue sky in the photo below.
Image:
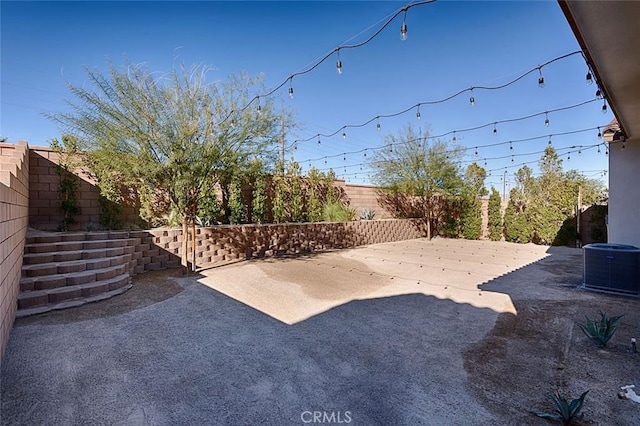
451	46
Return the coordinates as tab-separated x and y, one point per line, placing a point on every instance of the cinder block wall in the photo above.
14	218
44	199
365	197
226	243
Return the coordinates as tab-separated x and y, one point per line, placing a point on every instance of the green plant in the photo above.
337	212
109	213
69	183
367	214
564	410
602	330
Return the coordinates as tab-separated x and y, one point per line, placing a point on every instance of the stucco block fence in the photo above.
14	217
222	244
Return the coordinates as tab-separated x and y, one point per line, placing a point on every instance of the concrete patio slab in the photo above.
368	336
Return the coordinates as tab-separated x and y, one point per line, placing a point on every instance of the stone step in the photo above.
60	237
64	256
40	301
55	247
52	281
65	267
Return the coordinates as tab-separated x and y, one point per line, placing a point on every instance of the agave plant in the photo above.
564	410
602	330
367	214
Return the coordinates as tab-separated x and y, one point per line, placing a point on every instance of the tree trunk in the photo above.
185	246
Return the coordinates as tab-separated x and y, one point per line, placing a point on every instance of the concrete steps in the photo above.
63	270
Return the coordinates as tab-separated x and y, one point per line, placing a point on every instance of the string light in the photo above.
604	106
589	78
378	124
319	143
454	135
418	113
599	152
510	146
403	27
540	79
599	133
549	143
344	135
598	92
291	88
546	119
339	63
476	153
495	130
472	100
259	108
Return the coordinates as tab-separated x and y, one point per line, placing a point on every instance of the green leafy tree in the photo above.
413	170
170	133
495	216
296	197
473	189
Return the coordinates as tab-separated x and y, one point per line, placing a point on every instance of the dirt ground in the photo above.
522	358
542	349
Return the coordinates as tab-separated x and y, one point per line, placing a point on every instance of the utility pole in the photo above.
282	143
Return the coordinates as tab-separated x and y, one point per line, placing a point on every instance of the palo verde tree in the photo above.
170	133
414	170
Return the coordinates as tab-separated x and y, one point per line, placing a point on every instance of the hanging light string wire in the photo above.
323	58
439	101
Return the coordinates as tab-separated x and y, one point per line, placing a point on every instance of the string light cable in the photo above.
438	101
322	59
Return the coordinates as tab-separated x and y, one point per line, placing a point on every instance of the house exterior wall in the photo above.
624	193
14	217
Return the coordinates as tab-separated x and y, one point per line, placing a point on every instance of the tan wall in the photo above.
44	199
365	197
226	243
14	211
624	193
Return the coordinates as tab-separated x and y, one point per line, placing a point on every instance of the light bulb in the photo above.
391	148
403	31
589	78
454	135
378	125
546	120
319	140
549	143
599	133
599	152
344	135
606	151
259	108
291	92
510	146
365	152
472	101
598	93
339	66
540	79
604	108
476	151
344	157
418	113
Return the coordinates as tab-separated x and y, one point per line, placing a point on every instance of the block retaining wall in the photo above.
14	217
161	248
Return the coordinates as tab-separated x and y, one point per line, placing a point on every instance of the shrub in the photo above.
495	217
600	331
335	211
564	410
